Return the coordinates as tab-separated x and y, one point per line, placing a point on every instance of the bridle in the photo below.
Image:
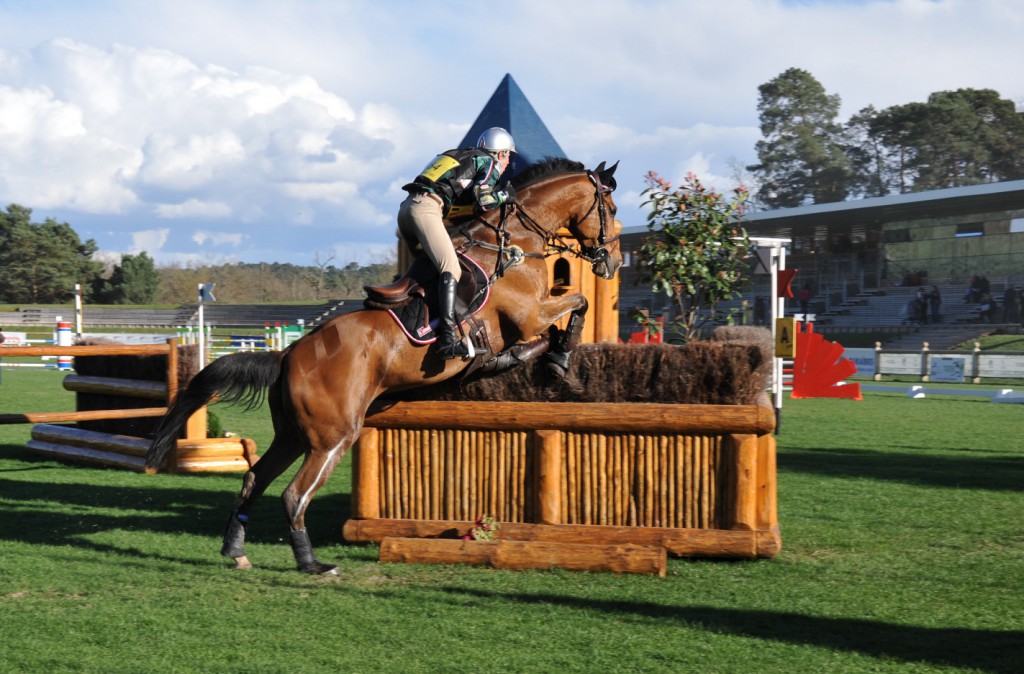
556	245
510	255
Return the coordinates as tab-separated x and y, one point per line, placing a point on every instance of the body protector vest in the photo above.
464	179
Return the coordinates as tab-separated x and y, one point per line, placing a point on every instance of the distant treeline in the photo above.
41	263
271	282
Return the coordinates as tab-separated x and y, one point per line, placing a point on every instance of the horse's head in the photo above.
558	195
596	231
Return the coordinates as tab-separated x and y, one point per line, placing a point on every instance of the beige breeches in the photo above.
419	219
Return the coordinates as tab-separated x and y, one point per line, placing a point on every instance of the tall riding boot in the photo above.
448	343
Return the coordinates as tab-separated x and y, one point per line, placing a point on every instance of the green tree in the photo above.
802	158
871	172
42	262
965	137
695	252
955	138
134	280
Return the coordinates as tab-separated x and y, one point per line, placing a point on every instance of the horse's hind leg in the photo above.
271	464
313	474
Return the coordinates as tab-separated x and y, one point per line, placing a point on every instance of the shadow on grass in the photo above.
967	472
986	650
41	513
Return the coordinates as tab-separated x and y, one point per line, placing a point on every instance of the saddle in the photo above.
412	299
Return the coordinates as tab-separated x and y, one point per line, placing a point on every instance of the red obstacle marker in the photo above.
819	366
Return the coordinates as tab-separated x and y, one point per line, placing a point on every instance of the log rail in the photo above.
194	453
95	384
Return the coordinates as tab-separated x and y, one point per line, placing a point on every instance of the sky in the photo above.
219	131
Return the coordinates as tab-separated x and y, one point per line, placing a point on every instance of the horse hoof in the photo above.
242	563
556	371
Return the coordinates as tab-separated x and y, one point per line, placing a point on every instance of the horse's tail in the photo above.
239	377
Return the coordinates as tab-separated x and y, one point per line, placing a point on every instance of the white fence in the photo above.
940	365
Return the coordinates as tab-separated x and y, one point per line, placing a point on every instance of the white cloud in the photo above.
193	208
183	164
149	240
218	238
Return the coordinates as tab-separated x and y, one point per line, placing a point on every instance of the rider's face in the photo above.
503	159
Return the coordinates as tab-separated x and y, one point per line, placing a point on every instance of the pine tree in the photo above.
802	158
41	262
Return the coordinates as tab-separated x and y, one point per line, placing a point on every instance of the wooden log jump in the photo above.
195	452
513	554
696	480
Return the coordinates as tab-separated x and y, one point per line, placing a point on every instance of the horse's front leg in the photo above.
552	309
563	342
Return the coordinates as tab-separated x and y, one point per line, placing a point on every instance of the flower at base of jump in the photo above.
484	529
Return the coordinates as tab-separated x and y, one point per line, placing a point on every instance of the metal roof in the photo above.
874	212
954	201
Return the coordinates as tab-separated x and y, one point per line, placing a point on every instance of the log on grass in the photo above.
86	455
105	442
226	465
511	554
194	455
715	543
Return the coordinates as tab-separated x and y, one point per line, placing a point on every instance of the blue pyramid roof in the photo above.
509	109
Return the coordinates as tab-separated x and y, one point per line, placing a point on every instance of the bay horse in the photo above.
320	387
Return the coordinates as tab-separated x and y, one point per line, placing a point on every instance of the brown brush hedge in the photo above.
699	373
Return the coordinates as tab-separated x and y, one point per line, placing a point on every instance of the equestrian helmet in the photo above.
496	139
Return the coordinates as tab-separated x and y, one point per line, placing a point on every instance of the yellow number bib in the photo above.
437	168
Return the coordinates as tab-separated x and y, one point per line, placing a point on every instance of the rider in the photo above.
454	186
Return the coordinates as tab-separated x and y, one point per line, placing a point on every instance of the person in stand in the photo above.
973	292
1011	311
760	311
454	186
986	308
935	303
805	299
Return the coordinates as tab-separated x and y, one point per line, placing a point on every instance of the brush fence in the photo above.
195	452
695	480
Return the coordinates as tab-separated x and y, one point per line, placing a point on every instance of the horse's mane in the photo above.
548	166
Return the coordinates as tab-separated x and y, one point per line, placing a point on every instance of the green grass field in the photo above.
903	551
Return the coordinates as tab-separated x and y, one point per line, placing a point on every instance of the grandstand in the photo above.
865	259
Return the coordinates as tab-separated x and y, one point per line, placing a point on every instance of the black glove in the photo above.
510	194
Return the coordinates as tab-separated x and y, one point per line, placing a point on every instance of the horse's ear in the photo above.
606	175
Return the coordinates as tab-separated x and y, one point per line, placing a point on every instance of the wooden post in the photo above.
606	294
769	539
549	477
172	370
745	491
366	489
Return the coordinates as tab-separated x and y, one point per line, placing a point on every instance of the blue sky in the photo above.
265	130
